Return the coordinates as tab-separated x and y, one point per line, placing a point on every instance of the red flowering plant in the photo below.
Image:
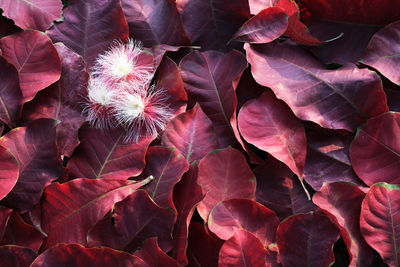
199	133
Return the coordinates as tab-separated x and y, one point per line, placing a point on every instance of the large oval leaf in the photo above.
10	93
269	124
34	148
69	210
230	215
209	77
383	52
380	221
9	172
24	50
90	27
306	240
67	255
224	174
339	99
191	133
33	14
341	202
375	152
104	154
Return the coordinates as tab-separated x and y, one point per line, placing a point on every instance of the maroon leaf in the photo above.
16	256
10	93
155	22
224	174
191	133
341	202
24	50
269	124
306	240
374	153
153	255
34	148
187	193
214	26
330	98
166	166
90	27
280	190
209	77
380	221
104	154
265	27
132	221
233	214
169	79
203	248
34	14
66	255
4	217
69	210
22	234
296	30
63	100
7	27
257	6
383	52
242	249
328	160
9	172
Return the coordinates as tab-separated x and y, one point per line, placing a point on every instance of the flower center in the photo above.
122	67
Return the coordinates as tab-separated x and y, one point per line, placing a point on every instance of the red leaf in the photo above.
24	50
153	255
375	151
380	221
209	77
4	217
34	148
69	210
16	256
191	133
233	214
383	52
9	172
203	248
132	221
214	26
155	22
341	202
187	193
90	27
224	174
296	30
339	99
169	79
33	14
63	100
328	160
264	27
63	255
243	249
280	190
166	166
104	154
306	240
10	93
22	234
269	124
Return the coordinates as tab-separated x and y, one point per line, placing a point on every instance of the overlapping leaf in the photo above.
151	253
33	14
69	210
4	217
9	172
35	58
380	221
16	256
224	174
330	98
90	27
105	154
